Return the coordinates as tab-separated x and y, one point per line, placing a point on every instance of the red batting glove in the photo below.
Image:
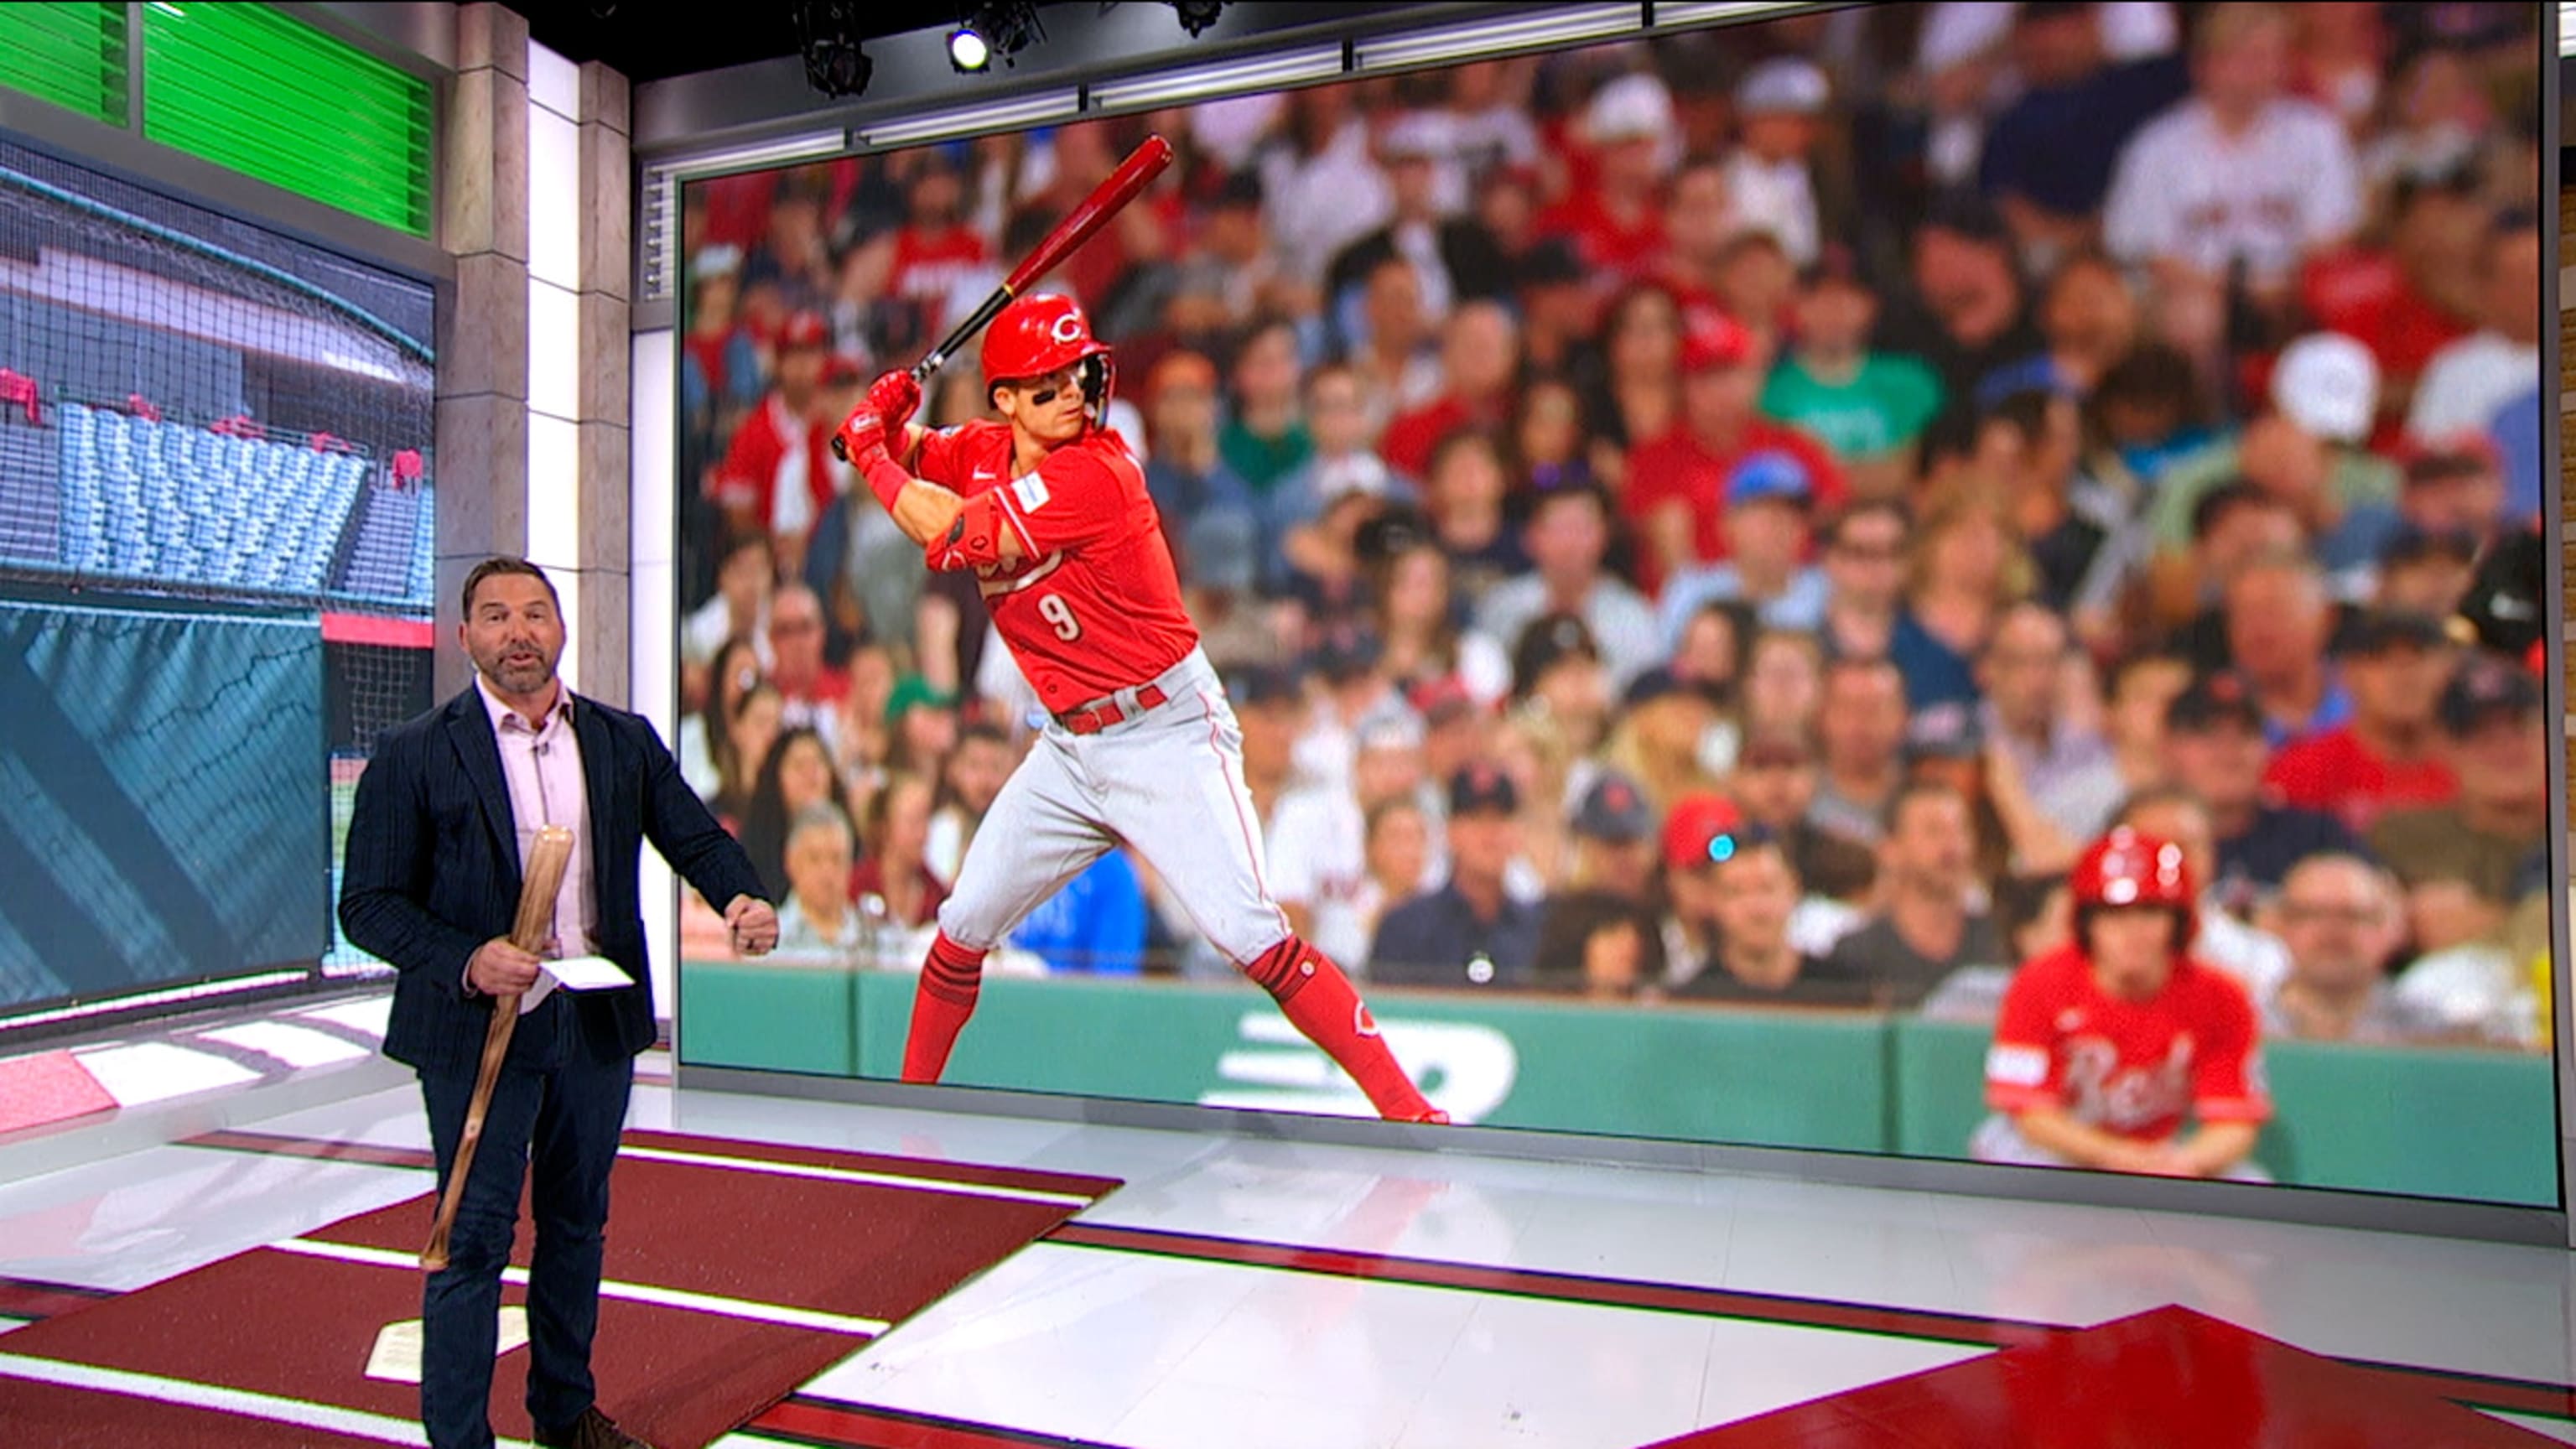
895	397
861	438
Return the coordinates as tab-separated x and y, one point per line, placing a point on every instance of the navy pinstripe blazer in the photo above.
432	868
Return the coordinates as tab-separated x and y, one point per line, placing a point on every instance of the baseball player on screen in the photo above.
2106	1044
1049	509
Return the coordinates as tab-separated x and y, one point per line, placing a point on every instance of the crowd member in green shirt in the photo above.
1266	439
1867	407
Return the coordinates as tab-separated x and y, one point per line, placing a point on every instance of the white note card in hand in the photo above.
574	973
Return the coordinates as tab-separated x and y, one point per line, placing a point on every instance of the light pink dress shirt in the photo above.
542	765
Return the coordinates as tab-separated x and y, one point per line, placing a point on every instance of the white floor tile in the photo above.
2558	1429
1184	1415
1754	1368
1526	1371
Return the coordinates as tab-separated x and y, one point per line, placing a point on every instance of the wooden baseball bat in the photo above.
1080	225
548	857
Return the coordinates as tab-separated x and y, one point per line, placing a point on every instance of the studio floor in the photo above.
1247	1293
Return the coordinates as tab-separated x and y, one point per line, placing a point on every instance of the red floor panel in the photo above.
61	1418
2171	1377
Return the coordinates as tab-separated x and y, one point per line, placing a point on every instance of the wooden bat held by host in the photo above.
1079	225
548	857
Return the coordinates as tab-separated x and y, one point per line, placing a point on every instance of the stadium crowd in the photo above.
1726	519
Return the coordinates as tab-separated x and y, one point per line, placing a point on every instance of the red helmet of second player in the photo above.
1038	334
2127	868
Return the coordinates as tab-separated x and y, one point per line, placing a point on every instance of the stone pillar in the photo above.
482	440
607	268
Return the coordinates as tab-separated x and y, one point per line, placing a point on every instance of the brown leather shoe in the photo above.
593	1430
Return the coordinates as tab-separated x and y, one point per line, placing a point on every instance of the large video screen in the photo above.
1959	580
216	495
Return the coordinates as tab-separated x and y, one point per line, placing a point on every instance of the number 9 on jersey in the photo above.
1059	614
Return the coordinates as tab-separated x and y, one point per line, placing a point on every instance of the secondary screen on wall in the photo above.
1706	540
215	550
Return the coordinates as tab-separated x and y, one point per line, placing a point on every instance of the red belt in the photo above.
1101	716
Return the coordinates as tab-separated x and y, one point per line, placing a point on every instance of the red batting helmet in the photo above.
1039	333
2127	868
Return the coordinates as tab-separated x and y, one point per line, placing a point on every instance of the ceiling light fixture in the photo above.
828	31
994	31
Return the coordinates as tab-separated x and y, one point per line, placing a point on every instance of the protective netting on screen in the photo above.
194	408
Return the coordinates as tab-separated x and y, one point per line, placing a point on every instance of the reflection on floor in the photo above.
1247	1294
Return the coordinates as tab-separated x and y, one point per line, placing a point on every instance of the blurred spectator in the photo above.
1616	224
1393	350
1768	178
1418	613
1600	946
2459	861
1568	539
1864	566
1964	569
922	720
1323	189
1266	439
2141	689
2091	321
1326	559
1464	497
2305	451
1221	572
705	745
1960	54
2066	520
892	875
1784	684
1861	720
1767	502
1317	841
2148	410
815	917
1670	739
719	367
752	729
1757	285
1230	277
1558	673
1453	256
2409	286
1093	924
746	573
2468	381
1398	849
2047	162
1868	407
1346	671
2224	937
1969	313
1479	364
1270	710
1343	463
1709	655
1699	220
1753	893
1469	932
2064	764
2214	750
2280	626
2234	528
810	688
1676	484
1614	834
1607	891
797	775
773	478
1558	312
1635	398
1930	921
1548	438
1186	477
970	779
2240	176
2455	491
2516	429
792	258
866	318
2425	573
2339	920
2384	757
1775	786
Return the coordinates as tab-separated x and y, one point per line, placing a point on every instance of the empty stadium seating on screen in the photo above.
177	502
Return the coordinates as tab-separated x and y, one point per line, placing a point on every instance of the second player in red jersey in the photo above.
1049	510
2106	1046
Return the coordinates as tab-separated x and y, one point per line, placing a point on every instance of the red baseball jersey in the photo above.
2133	1068
1094	604
2336	773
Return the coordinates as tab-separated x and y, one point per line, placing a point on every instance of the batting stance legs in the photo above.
1167	777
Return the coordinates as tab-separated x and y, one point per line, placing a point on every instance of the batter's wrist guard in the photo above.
886	478
973	541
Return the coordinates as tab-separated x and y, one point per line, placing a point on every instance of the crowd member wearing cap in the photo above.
2224	937
1767	503
2495	738
2384	757
2425	573
2063	764
1470	932
2047	162
1740	877
1606	894
774	476
2455	489
1480	346
2214	748
1861	724
1769	176
2281	621
2468	382
1617	224
921	719
2306	449
1868	406
2290	188
2338	917
1558	310
1456	258
1317	835
1774	783
1676	484
1568	539
1930	920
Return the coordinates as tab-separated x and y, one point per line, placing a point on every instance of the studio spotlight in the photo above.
834	63
1198	16
993	31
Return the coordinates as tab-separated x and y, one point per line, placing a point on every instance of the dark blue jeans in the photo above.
558	1107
